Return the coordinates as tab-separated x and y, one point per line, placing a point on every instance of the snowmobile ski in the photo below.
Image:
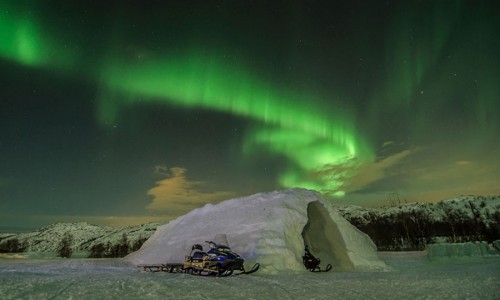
318	269
252	270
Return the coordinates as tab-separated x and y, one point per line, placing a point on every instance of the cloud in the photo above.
370	173
425	174
162	170
177	195
172	197
447	179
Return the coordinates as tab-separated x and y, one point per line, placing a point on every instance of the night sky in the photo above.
126	112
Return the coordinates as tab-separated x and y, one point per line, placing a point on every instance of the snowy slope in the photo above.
47	239
269	228
483	207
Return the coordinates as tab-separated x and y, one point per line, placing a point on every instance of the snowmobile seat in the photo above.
197	247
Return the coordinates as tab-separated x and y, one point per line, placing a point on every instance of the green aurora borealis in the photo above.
353	100
291	126
25	42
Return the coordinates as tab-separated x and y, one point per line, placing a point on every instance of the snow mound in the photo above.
470	249
269	228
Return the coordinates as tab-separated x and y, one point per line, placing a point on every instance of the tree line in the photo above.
413	230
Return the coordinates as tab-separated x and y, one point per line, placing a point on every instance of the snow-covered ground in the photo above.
413	276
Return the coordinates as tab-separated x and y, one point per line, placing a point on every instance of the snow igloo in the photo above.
269	228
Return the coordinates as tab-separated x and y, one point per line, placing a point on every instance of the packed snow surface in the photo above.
412	276
268	228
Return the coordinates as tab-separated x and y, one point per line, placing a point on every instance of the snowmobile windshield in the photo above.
220	239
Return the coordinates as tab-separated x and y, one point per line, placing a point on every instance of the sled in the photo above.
178	268
170	268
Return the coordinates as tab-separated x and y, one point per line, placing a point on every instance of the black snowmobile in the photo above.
312	263
219	260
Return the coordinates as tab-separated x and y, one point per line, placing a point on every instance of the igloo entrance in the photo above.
324	238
